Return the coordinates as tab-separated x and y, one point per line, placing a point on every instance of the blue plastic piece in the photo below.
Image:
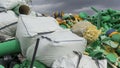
110	31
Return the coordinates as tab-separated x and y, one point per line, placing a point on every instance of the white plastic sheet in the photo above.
85	62
56	45
10	4
8	21
52	45
34	25
29	26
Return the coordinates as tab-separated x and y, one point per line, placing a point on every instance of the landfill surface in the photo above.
101	30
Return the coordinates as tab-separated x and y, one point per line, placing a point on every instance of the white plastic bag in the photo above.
34	25
55	45
54	41
29	26
8	21
85	62
10	4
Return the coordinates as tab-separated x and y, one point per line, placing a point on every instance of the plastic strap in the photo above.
3	9
8	25
34	54
96	61
80	56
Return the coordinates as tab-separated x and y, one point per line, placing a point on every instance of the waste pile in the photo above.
66	20
32	40
101	30
107	45
10	49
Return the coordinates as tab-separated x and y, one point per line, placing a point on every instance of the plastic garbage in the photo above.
56	46
9	47
26	63
86	30
85	62
66	19
2	66
83	15
8	21
53	39
111	57
80	27
35	26
10	4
